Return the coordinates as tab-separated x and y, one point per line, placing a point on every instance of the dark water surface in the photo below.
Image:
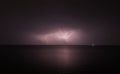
58	59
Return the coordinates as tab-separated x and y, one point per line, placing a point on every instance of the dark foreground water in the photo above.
58	59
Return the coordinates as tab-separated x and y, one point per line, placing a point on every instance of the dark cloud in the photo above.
99	20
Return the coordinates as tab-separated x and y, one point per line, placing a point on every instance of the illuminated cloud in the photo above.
59	37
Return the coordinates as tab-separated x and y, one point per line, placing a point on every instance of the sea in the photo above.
59	59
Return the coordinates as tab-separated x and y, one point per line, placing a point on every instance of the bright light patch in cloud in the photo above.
58	37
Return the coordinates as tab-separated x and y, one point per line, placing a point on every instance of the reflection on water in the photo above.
59	58
62	57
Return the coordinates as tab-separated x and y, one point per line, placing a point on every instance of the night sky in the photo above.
98	20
